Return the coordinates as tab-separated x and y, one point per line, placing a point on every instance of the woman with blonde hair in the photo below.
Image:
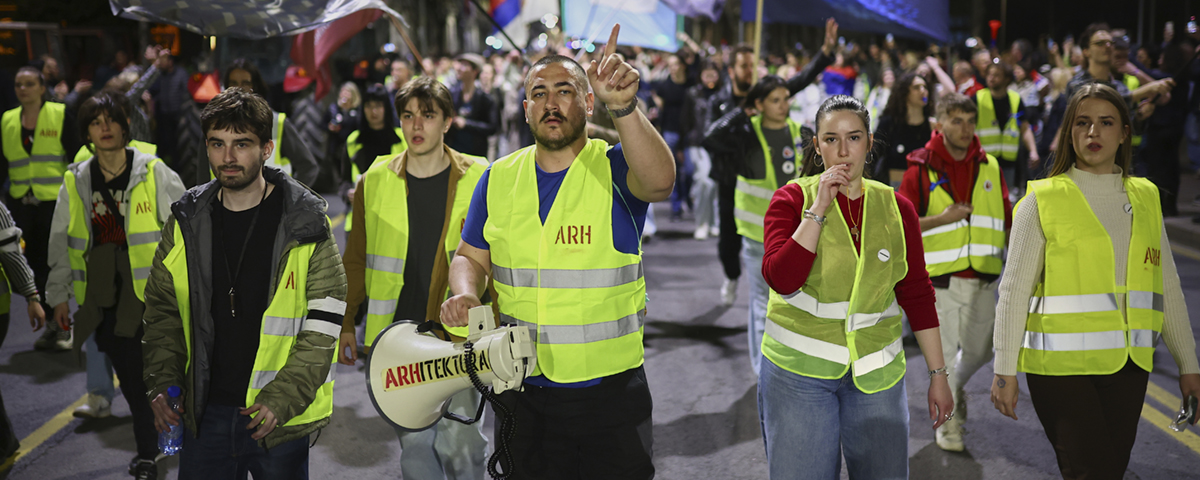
1089	290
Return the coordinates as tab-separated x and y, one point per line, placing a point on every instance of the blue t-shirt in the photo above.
628	219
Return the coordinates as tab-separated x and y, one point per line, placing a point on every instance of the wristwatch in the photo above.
814	217
36	297
624	111
940	371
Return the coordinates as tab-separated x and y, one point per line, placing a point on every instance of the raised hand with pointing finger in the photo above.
614	81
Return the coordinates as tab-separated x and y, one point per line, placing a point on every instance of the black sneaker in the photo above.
144	470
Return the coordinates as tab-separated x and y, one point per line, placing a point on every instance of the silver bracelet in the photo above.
814	217
940	371
623	111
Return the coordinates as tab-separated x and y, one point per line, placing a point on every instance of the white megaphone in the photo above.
412	375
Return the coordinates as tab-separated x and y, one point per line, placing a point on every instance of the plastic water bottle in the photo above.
171	442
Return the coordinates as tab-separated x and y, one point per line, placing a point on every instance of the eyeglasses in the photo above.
1103	43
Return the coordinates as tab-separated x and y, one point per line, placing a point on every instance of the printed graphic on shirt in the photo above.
105	225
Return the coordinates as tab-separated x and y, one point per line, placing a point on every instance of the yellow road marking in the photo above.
1156	418
1185	251
47	430
1167	399
335	221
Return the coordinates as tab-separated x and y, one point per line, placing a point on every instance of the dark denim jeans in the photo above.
224	450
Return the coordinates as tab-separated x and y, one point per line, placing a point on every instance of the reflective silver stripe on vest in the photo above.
949	227
141	273
808	345
1144	338
753	190
983	132
839	311
381	307
990	223
76	243
281	326
969	250
577	334
260	378
144	237
15	164
385	264
1095	302
564	278
47	180
1072	342
515	277
747	217
877	360
1145	300
79	275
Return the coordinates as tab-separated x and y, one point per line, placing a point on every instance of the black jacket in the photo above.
730	140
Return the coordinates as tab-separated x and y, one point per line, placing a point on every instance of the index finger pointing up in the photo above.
611	47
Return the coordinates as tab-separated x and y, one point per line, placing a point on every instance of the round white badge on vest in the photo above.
884	255
899	148
1129	208
987	185
789	153
789	167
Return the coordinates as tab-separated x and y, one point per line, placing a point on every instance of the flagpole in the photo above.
408	41
758	33
501	29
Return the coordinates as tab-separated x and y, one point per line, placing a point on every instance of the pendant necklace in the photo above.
230	272
854	225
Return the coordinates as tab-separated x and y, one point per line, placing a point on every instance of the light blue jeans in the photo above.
752	255
99	370
704	189
449	450
809	423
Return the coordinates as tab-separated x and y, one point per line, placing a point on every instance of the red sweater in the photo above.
960	184
786	264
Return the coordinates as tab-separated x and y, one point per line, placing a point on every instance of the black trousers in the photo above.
729	243
1091	420
126	356
1160	151
597	432
34	222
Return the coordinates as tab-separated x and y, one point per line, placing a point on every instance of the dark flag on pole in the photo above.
245	19
311	50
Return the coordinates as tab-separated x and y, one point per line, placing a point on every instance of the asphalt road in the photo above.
705	417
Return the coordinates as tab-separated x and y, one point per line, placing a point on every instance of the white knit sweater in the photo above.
1106	196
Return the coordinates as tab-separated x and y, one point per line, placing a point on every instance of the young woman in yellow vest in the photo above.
291	154
410	208
1090	289
36	139
243	307
109	215
377	139
843	256
1005	140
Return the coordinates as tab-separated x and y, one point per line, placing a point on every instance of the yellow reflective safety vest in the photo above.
837	322
282	321
386	219
1075	325
1132	83
147	148
752	196
142	226
42	168
999	140
976	243
277	159
583	300
352	148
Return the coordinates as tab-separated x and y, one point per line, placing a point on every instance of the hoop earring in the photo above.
819	161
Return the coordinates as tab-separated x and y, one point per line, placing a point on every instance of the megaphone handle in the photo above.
464	420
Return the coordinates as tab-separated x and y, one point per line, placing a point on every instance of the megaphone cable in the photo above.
508	425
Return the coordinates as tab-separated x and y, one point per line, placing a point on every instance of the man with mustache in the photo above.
556	226
408	214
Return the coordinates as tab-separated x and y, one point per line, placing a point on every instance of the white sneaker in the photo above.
701	232
729	291
949	435
96	406
714	231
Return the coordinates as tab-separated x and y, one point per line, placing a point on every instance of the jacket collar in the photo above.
303	209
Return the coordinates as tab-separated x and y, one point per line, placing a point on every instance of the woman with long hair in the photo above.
1090	288
903	127
843	256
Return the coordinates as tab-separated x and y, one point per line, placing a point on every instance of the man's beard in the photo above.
244	178
571	131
